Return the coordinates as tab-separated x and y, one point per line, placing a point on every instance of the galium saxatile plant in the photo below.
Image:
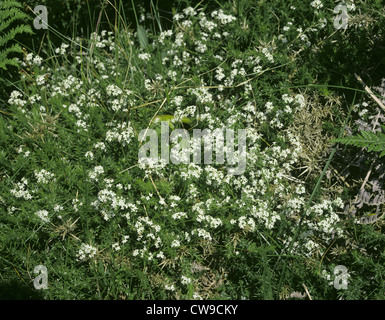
161	217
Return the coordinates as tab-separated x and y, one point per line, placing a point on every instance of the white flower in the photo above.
222	17
113	90
43	215
40	80
317	4
43	176
116	246
179	215
122	133
160	255
86	251
177	100
175	244
268	55
202	233
100	145
185	280
197	296
246	224
34	98
163	35
201	47
62	49
203	95
339	203
74	108
15	99
81	124
363	112
300	100
322	22
206	24
89	155
97	171
58	208
351	6
186	24
269	106
172	74
219	75
20	190
125	238
179	40
144	56
178	17
37	60
189	11
169	287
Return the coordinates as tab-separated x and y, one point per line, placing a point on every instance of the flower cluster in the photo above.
121	133
44	176
153	213
86	251
20	191
43	215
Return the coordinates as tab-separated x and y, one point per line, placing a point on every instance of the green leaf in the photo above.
366	139
142	37
164	118
10	12
169	118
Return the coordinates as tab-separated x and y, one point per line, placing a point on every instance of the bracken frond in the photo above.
9	13
366	139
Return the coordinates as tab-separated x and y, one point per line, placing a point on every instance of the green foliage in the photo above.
69	149
170	120
10	12
142	37
366	139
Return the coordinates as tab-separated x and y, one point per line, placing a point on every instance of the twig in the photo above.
367	89
156	189
307	292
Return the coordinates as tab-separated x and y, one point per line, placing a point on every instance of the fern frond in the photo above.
9	13
8	16
4	60
13	32
366	139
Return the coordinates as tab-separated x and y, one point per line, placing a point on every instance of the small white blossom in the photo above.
175	244
98	170
44	176
317	4
185	280
43	215
144	56
86	251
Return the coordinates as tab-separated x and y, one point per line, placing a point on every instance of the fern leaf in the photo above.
10	13
366	139
4	61
13	32
7	17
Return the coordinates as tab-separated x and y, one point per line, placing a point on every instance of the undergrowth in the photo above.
75	197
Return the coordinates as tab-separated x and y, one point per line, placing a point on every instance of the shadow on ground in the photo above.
16	290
